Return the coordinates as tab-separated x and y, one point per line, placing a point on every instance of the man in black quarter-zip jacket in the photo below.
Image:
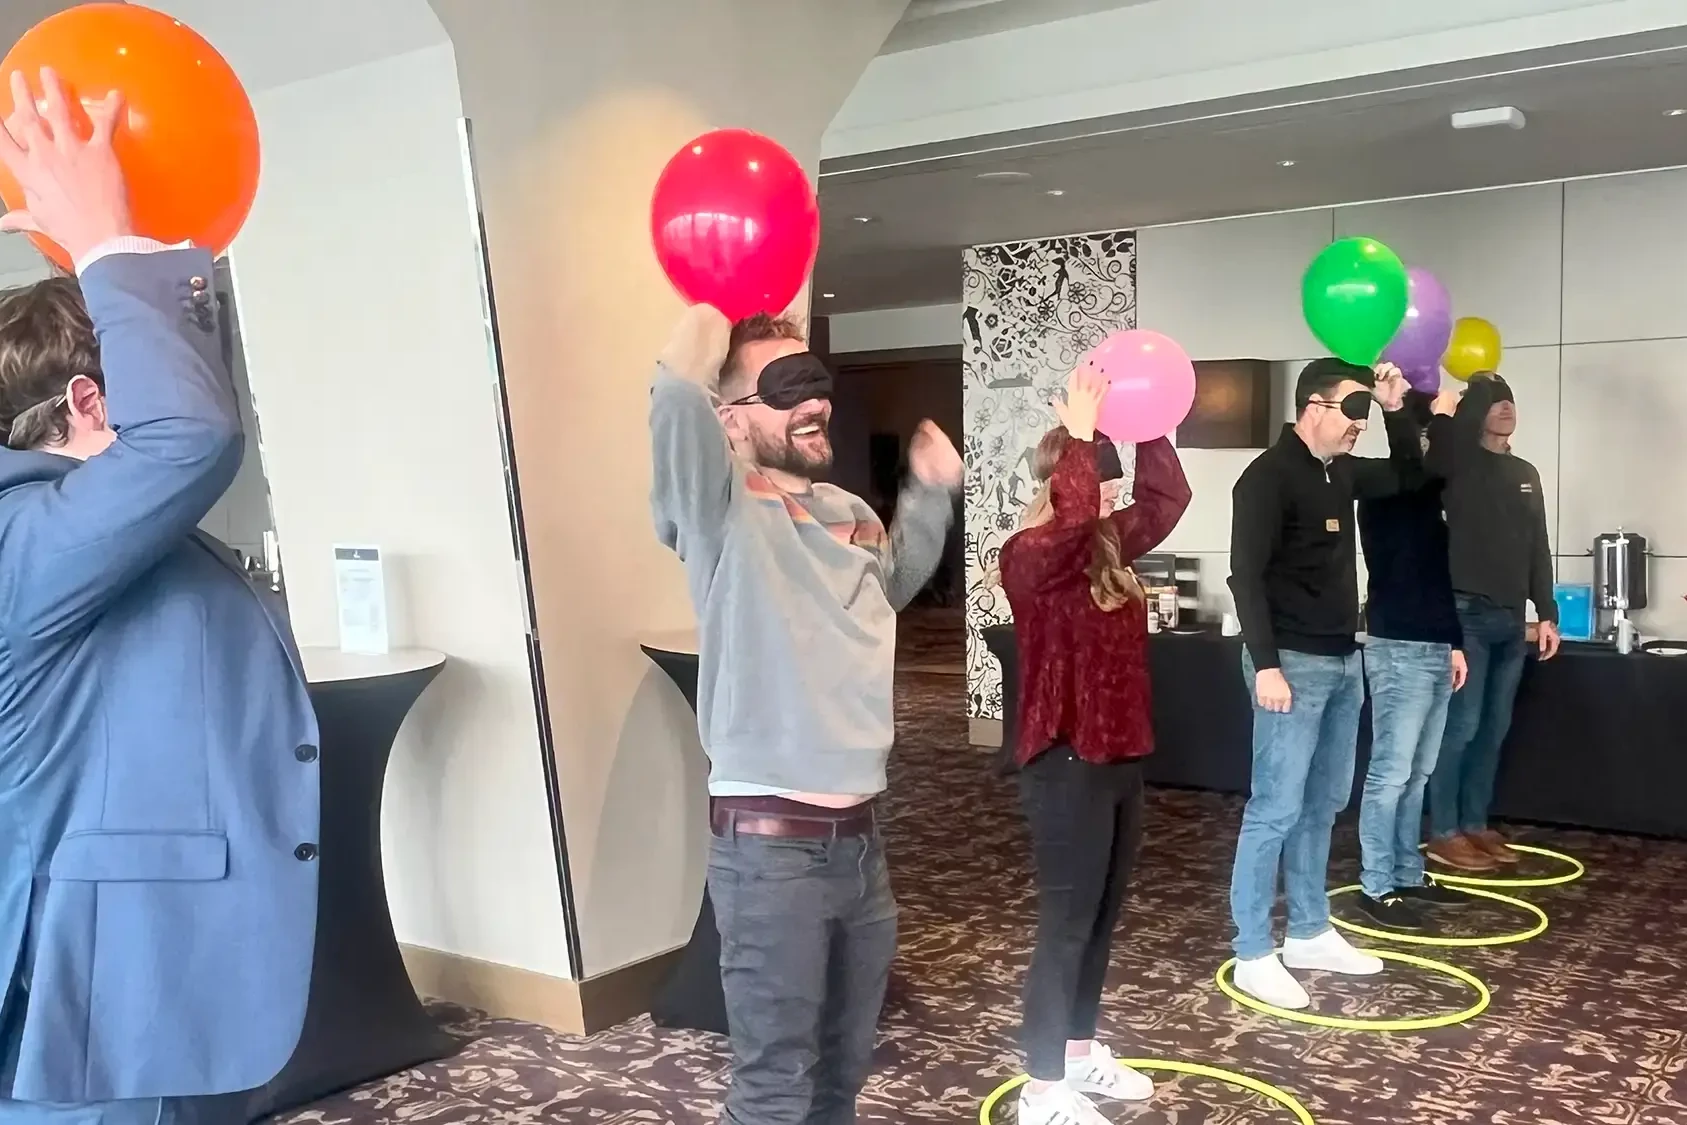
1500	561
1295	579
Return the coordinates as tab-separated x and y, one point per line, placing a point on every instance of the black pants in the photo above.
1086	828
807	935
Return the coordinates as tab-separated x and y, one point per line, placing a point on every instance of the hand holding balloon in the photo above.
1446	403
1085	389
72	189
1153	385
697	347
186	138
1390	390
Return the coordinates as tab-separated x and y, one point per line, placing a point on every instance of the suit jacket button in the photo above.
305	753
304	853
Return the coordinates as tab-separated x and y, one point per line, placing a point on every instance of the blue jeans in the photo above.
1302	777
1411	682
1462	787
807	935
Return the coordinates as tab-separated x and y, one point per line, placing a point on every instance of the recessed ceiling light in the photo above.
828	296
1285	164
863	218
1055	191
1675	113
1003	176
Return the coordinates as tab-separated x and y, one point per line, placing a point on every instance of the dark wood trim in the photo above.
857	361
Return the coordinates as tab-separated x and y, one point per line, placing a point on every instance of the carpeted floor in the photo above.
1586	1025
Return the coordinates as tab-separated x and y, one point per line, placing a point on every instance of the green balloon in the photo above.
1354	296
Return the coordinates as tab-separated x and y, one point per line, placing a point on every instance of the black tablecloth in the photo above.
691	997
363	1020
1594	737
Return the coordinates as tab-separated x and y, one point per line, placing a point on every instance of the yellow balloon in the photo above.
1475	346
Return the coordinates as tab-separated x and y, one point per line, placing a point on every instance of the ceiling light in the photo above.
1675	112
828	296
1054	191
1285	164
863	218
1004	175
1507	115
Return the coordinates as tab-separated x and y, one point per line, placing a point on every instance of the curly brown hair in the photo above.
46	340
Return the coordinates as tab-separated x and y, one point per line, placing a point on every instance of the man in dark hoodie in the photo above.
1414	663
1500	561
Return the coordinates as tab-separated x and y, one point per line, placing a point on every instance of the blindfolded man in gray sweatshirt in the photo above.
796	585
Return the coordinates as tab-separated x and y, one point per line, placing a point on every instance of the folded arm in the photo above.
1036	557
1159	494
918	534
692	475
71	545
1401	471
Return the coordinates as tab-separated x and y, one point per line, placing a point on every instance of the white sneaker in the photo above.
1058	1105
1101	1074
1266	980
1330	952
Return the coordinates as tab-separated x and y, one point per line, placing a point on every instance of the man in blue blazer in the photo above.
158	777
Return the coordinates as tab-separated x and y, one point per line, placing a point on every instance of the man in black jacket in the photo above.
1413	664
1294	576
1500	560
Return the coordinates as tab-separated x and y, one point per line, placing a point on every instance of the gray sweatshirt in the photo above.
796	599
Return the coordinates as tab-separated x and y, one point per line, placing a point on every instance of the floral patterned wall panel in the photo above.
1032	310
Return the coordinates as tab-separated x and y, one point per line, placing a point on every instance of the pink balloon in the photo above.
1153	385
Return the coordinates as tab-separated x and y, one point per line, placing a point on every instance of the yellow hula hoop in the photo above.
1414	1023
1536	930
1229	1077
1577	870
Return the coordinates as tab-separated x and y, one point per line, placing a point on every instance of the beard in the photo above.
809	456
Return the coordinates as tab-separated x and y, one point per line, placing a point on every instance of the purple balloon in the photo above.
1424	334
1425	379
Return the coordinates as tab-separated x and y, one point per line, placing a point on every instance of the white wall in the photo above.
1581	278
359	294
576	107
913	326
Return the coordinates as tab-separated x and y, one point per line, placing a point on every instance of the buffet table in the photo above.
1594	743
363	1020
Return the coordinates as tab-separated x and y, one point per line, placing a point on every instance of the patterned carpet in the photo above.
1585	1025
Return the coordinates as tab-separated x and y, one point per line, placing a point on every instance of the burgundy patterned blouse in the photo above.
1083	672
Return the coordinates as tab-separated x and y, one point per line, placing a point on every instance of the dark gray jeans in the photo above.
807	934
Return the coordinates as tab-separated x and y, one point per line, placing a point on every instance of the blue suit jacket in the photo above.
158	768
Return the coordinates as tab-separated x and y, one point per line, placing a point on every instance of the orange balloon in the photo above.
189	140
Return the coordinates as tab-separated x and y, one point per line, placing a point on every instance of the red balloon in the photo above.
188	142
735	223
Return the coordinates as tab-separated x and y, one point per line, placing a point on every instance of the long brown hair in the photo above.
1113	584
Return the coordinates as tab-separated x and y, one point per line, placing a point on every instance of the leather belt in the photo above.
777	817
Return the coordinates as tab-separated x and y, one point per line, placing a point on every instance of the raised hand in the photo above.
73	189
1391	386
1447	402
932	458
697	347
1085	388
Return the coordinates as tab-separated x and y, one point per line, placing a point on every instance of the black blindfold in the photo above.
790	381
1107	463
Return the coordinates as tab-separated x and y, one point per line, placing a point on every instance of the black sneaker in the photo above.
1391	912
1433	894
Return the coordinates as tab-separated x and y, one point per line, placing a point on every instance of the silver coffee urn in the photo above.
1619	586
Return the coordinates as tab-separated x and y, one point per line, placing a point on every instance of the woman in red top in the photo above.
1084	726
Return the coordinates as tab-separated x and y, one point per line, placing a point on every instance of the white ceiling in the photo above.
929	22
1584	118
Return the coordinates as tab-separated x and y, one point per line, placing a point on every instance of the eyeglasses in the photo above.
1355	406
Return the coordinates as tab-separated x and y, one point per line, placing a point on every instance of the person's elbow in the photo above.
205	454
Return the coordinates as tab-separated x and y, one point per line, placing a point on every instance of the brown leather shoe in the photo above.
1461	853
1495	846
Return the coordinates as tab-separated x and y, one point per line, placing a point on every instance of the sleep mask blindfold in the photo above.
790	381
1107	464
1355	406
